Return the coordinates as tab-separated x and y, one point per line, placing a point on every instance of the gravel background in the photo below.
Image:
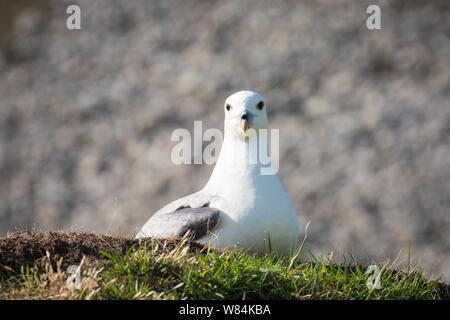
86	116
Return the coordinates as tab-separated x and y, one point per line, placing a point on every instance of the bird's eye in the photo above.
260	105
228	107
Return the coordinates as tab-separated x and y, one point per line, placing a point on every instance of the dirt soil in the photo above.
23	248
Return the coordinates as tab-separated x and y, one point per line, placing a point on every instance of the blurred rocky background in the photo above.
86	116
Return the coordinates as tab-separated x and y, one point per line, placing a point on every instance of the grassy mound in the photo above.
34	265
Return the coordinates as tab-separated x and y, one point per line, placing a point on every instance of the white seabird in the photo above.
239	206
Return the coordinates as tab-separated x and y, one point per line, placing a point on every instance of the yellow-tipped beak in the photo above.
244	125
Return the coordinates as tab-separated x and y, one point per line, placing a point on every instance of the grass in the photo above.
160	270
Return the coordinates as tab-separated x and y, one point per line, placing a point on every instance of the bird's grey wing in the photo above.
194	200
189	214
194	221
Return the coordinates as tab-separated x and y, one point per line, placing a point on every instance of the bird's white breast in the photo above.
255	214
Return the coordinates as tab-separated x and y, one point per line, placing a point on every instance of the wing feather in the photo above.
190	214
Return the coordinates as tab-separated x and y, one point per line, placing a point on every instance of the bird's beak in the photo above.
244	125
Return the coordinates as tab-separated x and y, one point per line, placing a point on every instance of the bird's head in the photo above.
245	110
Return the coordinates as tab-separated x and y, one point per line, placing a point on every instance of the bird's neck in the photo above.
239	162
